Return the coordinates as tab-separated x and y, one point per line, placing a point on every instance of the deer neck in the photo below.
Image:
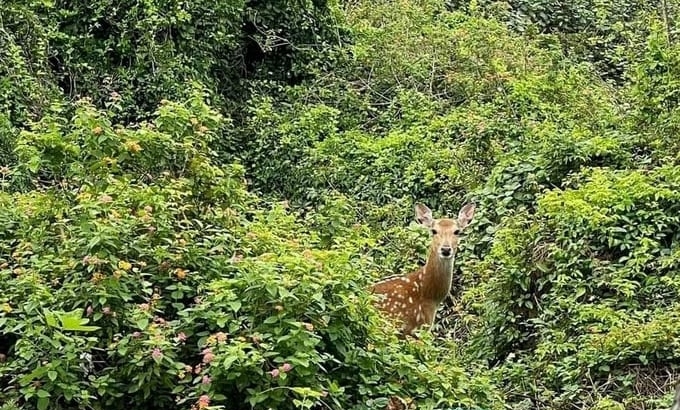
437	277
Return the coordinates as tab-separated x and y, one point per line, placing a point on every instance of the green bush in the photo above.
583	290
136	272
599	32
214	250
144	52
653	81
507	100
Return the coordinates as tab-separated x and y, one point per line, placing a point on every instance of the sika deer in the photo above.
415	298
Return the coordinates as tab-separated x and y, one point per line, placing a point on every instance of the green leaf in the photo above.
71	321
257	398
43	402
34	164
74	323
272	289
50	319
306	391
142	323
52	375
35	374
270	320
235	305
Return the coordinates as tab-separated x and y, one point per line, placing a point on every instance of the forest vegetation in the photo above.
196	196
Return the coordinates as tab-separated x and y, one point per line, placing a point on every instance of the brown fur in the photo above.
414	299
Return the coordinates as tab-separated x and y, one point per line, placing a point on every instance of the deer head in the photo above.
445	232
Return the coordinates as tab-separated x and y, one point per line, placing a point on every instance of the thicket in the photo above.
200	229
600	32
143	52
145	275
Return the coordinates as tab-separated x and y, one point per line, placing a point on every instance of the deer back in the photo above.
402	297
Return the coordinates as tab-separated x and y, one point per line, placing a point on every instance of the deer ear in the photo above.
423	215
465	215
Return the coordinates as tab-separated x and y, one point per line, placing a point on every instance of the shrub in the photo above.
424	143
137	273
598	32
652	81
582	291
144	52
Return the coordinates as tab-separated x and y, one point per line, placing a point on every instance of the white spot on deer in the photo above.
410	299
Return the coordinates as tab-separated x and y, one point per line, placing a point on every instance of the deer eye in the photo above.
456	232
434	231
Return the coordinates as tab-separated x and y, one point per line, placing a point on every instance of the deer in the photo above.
415	298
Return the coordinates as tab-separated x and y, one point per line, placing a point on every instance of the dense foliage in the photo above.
143	274
196	196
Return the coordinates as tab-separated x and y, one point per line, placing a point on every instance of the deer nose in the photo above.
445	251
